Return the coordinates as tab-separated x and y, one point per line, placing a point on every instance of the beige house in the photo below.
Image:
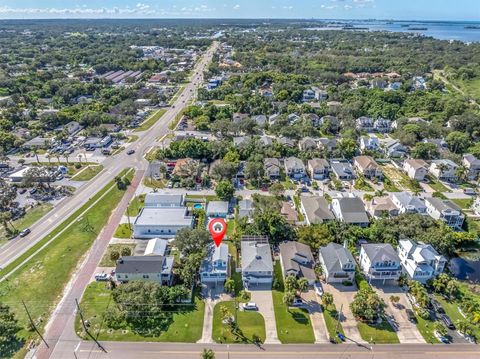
367	166
416	169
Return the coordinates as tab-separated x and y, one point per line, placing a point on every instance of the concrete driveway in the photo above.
316	316
342	297
212	294
264	301
407	331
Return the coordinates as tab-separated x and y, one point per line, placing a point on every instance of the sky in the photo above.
321	9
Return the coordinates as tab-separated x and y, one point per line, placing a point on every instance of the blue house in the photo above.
214	269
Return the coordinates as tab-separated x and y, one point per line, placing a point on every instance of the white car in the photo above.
298	302
250	306
317	286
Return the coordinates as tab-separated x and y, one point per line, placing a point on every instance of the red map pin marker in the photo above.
217	228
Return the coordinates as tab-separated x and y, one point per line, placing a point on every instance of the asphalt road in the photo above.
112	166
119	350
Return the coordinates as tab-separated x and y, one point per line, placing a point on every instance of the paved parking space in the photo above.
343	296
316	316
407	331
264	301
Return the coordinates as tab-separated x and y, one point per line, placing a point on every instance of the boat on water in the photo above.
474	27
418	28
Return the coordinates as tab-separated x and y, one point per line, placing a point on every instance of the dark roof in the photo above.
140	264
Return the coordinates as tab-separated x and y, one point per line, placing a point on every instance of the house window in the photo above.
146	276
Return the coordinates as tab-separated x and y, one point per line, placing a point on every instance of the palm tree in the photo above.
380	193
58	158
49	157
462	173
208	354
66	155
35	152
80	158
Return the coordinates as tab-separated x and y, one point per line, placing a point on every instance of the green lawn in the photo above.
425	327
451	308
123	231
88	173
40	282
463	203
106	261
330	315
186	325
437	185
293	324
150	121
382	333
30	217
389	186
250	323
136	205
471	87
153	183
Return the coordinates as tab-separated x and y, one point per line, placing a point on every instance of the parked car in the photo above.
411	316
25	232
102	277
22	190
298	302
317	286
130	152
469	191
448	322
32	191
250	306
437	306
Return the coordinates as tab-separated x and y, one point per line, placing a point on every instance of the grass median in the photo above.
87	173
150	121
40	281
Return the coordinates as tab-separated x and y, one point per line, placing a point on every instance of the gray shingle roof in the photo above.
140	264
334	256
353	210
256	257
316	209
379	252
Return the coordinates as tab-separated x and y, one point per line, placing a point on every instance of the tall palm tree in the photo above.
462	173
66	155
58	158
80	158
49	157
35	152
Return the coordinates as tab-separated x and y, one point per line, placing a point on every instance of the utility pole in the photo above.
85	327
128	216
34	326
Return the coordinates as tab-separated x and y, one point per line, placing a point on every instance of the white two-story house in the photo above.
420	261
214	269
446	211
337	263
257	264
379	261
407	203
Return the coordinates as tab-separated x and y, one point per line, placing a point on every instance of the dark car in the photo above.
32	191
25	232
437	306
130	152
22	190
448	322
411	316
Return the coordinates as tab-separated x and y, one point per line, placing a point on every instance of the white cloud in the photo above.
236	7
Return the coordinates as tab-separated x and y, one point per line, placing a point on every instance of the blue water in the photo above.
197	206
442	30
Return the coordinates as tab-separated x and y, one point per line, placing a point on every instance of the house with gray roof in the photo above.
307	143
444	170
342	170
315	209
379	261
445	211
294	168
318	168
161	222
394	149
164	200
421	261
350	210
217	209
408	203
472	164
153	268
296	259
272	168
260	120
241	141
257	264
245	208
337	263
328	144
214	268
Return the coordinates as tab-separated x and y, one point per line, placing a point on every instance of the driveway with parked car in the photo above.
264	301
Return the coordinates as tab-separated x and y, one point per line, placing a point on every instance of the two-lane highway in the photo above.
112	166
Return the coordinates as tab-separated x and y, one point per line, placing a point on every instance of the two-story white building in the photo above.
446	211
444	170
214	269
379	261
416	169
257	264
407	203
420	261
153	268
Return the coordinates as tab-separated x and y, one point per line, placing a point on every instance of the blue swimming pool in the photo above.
198	206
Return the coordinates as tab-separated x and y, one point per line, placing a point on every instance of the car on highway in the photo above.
25	232
250	306
130	152
437	306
